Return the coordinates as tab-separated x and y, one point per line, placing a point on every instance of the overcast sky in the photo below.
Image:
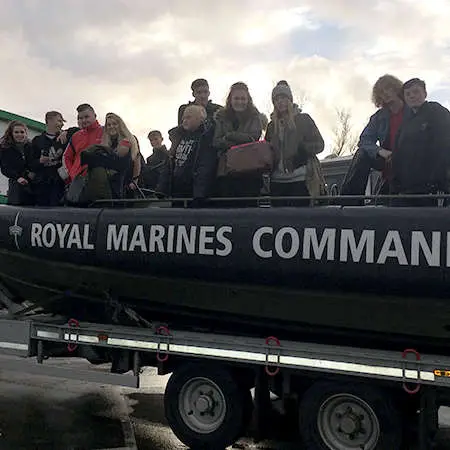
138	57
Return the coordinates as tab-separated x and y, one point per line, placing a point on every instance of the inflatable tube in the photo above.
326	271
401	250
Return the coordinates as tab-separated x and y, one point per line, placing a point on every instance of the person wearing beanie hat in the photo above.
282	88
297	141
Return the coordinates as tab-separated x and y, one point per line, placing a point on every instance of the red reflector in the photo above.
102	337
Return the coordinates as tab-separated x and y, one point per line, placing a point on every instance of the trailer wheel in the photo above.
341	416
248	407
205	407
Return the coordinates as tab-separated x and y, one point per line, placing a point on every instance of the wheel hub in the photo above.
350	423
204	404
347	422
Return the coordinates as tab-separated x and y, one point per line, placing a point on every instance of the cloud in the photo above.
138	57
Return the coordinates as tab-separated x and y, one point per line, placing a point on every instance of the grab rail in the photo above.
336	200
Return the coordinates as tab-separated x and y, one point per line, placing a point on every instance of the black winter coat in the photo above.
154	166
202	168
422	157
14	163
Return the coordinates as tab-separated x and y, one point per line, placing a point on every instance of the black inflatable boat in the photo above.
333	273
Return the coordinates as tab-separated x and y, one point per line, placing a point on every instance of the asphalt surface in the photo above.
39	412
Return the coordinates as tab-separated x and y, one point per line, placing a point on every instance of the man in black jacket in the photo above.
421	162
155	163
47	159
200	92
192	164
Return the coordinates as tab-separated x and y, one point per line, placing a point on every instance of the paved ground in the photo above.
48	413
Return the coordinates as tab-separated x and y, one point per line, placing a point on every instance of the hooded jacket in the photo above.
192	164
80	141
300	147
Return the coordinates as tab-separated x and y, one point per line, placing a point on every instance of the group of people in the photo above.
228	151
198	164
408	141
74	166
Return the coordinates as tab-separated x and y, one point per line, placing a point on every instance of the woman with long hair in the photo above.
239	122
296	140
118	137
110	163
16	163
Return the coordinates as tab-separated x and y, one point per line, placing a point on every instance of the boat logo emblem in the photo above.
16	230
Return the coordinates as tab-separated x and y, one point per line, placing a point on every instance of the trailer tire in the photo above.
205	407
344	416
248	407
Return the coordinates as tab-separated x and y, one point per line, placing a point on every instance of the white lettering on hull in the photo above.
63	236
202	240
367	246
313	244
366	243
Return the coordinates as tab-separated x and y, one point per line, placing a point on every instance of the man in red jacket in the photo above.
91	133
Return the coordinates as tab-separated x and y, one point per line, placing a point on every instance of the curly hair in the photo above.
8	139
386	82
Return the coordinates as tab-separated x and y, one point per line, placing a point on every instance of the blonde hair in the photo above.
124	133
198	110
287	121
264	121
386	82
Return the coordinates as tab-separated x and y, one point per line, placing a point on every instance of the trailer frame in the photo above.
30	340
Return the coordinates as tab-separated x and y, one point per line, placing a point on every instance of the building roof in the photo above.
33	124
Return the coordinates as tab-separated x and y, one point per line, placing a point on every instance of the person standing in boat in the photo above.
91	133
16	154
297	142
191	167
64	138
200	92
420	163
47	161
124	144
239	122
156	161
377	141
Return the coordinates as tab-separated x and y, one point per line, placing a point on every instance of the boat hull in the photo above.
379	274
377	321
